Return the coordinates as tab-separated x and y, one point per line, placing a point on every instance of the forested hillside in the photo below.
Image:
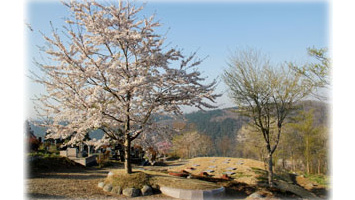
222	127
216	123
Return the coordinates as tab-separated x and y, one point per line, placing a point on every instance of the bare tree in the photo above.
264	93
316	73
110	70
224	145
191	144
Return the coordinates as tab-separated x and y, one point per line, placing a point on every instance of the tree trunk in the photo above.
127	143
270	172
127	155
307	156
293	162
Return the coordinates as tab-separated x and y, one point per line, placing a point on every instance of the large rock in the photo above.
131	192
116	190
101	185
146	190
108	188
254	196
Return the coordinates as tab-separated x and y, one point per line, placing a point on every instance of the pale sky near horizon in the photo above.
282	30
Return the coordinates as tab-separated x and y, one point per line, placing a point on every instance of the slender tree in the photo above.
109	69
265	94
314	141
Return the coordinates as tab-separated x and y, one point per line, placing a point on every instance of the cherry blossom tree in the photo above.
109	69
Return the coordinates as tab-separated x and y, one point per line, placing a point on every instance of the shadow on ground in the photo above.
44	196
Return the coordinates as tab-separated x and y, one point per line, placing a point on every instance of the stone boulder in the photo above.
101	185
146	190
254	196
108	188
131	192
116	190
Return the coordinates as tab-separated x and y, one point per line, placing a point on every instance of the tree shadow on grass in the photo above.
237	190
70	176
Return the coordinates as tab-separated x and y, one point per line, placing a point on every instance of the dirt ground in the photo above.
81	183
74	184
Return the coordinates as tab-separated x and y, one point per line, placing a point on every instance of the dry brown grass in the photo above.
243	173
134	180
66	185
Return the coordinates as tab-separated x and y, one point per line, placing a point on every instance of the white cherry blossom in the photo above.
112	71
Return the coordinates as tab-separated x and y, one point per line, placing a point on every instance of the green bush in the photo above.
43	154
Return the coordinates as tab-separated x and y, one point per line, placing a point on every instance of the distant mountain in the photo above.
41	132
217	123
321	110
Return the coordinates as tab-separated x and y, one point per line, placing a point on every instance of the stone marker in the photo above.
101	185
195	165
231	168
116	190
228	173
108	188
146	190
211	166
131	192
209	171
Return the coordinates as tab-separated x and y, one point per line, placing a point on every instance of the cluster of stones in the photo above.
129	192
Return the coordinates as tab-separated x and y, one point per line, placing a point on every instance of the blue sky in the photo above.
282	30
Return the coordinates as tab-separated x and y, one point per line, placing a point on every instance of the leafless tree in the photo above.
264	93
